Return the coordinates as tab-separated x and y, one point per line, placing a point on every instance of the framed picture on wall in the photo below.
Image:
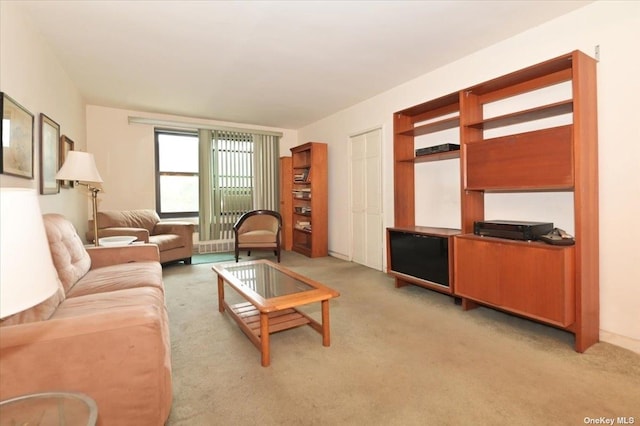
49	152
66	145
16	128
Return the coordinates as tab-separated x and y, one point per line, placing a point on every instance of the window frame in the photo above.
158	173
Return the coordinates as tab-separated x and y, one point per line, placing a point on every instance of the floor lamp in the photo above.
81	168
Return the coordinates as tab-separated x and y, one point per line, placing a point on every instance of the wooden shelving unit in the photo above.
554	285
309	224
429	117
286	207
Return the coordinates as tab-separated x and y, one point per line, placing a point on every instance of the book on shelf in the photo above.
304	226
302	176
302	194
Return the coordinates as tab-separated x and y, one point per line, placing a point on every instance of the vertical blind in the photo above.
238	172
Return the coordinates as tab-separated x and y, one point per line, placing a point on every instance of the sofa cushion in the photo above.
91	304
167	241
42	311
67	250
145	219
119	277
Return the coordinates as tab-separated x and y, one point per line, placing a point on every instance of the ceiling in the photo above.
281	64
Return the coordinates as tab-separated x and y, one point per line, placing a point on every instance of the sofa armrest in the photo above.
184	229
140	233
120	358
106	256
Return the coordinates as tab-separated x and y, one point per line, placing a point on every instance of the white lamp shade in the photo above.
80	166
27	274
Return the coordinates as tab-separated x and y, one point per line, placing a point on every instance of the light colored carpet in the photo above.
405	356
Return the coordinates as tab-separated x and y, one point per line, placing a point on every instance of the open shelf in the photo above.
545	111
433	127
438	156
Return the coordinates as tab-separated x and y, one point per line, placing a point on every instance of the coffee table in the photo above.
272	293
49	408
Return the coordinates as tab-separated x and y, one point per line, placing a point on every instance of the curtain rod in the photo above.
196	126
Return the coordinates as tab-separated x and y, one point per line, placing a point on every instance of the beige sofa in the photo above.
104	333
173	238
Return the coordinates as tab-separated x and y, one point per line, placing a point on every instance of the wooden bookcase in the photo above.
555	285
286	207
309	197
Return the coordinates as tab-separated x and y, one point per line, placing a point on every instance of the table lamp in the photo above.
81	168
27	274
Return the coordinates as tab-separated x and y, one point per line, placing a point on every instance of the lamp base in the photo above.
94	199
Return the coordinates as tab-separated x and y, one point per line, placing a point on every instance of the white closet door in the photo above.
366	199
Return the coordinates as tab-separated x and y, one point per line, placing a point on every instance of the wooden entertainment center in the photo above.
556	285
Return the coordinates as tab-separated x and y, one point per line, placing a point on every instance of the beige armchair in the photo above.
173	238
258	230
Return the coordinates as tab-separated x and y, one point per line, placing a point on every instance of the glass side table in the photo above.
48	409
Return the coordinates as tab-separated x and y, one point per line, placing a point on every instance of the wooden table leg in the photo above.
264	339
326	334
220	294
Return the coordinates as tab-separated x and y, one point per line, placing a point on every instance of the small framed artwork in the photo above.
66	145
16	128
49	152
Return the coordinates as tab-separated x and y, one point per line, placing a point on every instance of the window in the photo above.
240	174
177	178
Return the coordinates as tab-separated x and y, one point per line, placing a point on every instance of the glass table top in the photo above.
49	408
265	280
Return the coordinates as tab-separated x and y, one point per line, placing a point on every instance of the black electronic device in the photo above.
420	256
445	147
512	229
558	237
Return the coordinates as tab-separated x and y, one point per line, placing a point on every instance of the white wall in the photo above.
32	76
615	27
125	153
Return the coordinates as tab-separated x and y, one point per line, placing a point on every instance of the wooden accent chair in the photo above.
258	230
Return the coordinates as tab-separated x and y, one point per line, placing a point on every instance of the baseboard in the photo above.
339	256
622	341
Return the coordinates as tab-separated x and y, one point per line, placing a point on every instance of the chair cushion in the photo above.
257	222
167	241
257	237
145	218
